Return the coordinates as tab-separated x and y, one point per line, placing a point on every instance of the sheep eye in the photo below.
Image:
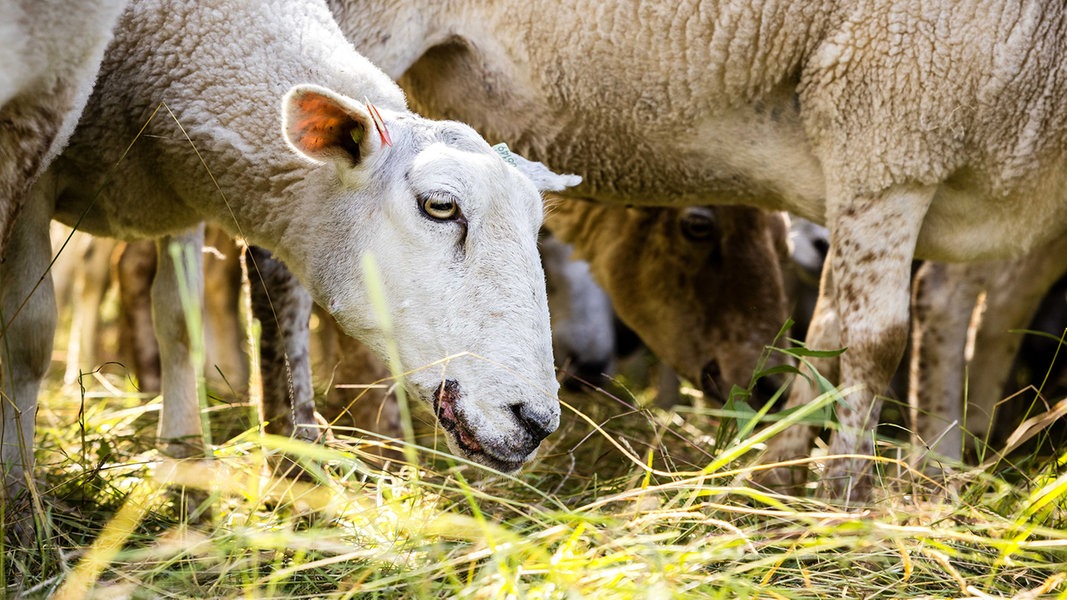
439	208
699	225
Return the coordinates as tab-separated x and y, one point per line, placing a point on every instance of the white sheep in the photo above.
583	319
910	129
450	221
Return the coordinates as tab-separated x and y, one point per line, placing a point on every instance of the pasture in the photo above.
624	501
419	237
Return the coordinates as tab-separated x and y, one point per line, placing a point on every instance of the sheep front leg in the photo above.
824	333
283	308
943	302
29	325
180	431
873	238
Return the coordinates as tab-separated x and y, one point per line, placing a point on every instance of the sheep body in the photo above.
48	64
336	183
910	129
737	100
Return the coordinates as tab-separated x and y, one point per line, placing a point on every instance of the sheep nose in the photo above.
766	388
538	421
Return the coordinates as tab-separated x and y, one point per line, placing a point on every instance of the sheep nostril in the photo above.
766	388
538	423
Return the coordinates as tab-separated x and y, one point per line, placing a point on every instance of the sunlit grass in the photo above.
621	504
624	501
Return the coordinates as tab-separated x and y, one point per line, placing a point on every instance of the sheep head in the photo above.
448	229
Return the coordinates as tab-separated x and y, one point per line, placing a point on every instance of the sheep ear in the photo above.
543	178
325	126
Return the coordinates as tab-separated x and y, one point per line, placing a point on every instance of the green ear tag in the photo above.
505	153
357	134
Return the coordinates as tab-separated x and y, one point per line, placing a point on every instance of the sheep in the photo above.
48	63
931	130
701	286
583	319
581	315
978	305
47	67
326	182
582	332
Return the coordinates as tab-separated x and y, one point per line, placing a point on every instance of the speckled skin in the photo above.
244	81
929	129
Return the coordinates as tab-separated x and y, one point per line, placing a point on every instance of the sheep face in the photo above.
436	265
701	286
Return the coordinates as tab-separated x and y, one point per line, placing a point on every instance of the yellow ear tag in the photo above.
357	134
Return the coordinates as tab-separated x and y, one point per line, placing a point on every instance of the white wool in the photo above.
909	128
211	84
48	63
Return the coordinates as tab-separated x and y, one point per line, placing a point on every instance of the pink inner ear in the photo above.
318	123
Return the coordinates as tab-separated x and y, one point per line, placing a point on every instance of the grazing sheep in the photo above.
701	286
582	331
932	130
451	222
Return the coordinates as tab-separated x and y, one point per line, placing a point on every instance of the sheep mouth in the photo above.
452	421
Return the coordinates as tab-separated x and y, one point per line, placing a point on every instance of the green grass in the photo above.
623	503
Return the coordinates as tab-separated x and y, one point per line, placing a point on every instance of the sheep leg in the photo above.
136	271
873	237
180	432
824	333
283	308
29	324
943	302
226	359
93	280
1015	291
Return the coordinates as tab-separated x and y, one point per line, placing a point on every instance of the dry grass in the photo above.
623	503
